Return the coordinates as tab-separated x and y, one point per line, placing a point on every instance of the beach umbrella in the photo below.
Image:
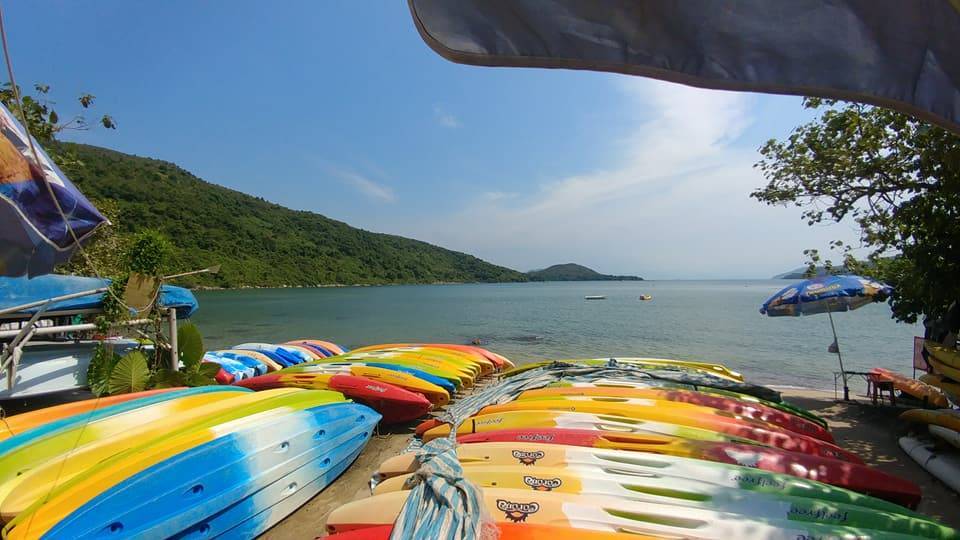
827	294
891	53
43	216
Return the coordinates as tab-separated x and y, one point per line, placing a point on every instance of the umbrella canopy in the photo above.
34	236
825	294
896	54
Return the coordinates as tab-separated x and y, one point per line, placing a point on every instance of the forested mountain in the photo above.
257	242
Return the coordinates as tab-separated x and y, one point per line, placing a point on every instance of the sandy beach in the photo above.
871	431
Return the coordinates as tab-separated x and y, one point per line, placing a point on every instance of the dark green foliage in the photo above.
192	372
258	243
894	176
574	272
148	252
130	374
98	372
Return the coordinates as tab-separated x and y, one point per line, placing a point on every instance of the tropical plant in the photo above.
193	371
897	178
130	374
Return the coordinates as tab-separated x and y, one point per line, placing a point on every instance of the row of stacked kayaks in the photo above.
935	443
402	381
225	461
211	462
633	448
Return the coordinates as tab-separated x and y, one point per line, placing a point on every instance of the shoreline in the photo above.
871	431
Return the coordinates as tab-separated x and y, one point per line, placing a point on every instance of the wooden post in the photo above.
174	350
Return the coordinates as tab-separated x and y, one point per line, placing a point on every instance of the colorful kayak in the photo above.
744	409
838	473
394	403
291	354
464	353
218	488
945	355
271	364
655	383
237	369
19	423
716	369
506	531
946	385
685	414
445	384
912	387
33	482
537	455
436	359
691	493
608	514
457	379
67	422
437	395
946	370
328	346
947	418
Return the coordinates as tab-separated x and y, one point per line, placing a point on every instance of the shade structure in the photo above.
896	54
827	294
34	235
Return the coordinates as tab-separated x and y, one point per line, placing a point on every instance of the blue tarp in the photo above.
894	53
17	291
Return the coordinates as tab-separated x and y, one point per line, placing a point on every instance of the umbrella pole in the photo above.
846	389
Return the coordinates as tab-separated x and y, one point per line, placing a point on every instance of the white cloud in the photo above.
364	185
445	118
675	203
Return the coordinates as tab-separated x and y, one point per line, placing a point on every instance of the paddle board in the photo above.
944	465
945	434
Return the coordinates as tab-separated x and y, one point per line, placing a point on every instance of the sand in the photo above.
871	431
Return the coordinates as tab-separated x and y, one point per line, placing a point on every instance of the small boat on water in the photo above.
646	297
595	297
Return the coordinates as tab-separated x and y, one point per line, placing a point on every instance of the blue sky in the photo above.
338	107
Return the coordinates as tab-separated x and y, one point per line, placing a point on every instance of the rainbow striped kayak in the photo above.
436	394
609	514
745	409
719	370
35	476
596	482
534	456
232	481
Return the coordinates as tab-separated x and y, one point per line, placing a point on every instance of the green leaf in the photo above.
208	369
54	118
131	374
99	369
166	378
190	344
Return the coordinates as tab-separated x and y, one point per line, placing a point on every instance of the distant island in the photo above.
574	272
801	273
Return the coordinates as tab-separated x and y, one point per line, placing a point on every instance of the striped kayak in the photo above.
19	423
838	473
440	359
692	493
231	482
437	395
327	348
706	390
609	514
462	356
709	367
293	354
754	411
891	497
456	378
506	531
684	414
499	361
394	403
272	365
36	476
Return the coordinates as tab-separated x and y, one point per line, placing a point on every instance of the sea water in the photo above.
716	321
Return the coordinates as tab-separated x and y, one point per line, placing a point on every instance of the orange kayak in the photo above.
912	387
508	531
19	423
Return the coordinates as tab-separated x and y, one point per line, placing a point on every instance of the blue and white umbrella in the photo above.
827	294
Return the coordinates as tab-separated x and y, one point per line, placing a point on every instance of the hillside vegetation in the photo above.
574	272
258	243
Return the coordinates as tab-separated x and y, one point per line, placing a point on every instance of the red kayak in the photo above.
852	476
746	409
394	403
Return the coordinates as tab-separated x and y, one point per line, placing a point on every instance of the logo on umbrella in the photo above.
517	512
528	458
542	484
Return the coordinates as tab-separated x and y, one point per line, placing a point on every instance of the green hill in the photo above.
257	242
574	272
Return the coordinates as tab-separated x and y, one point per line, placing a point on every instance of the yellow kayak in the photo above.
947	418
945	355
60	500
947	371
718	370
478	367
457	379
487	366
442	367
946	385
